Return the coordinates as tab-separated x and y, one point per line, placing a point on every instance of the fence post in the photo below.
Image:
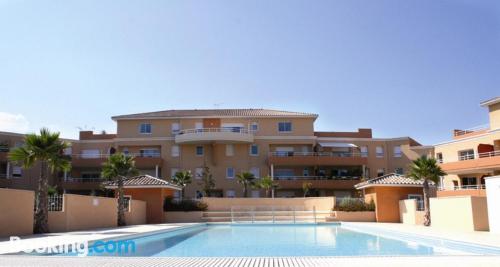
273	213
314	213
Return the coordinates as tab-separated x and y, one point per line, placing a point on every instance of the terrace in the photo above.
210	135
316	158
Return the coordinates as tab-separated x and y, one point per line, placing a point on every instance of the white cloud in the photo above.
13	123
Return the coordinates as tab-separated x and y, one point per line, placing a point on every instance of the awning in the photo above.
343	145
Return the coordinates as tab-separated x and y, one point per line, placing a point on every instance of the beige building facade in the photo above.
281	144
471	155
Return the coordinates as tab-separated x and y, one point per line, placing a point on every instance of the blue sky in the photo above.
404	68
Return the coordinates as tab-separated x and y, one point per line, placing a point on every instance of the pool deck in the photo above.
482	238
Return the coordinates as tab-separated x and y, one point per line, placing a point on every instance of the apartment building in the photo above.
471	155
280	144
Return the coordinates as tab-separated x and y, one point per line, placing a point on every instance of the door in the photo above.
211	123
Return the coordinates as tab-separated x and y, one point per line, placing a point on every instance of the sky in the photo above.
414	68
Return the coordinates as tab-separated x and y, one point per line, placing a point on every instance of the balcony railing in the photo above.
474	156
457	133
105	156
83	180
462	187
287	178
316	154
216	130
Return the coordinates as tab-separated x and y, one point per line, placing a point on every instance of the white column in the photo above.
272	178
156	171
8	170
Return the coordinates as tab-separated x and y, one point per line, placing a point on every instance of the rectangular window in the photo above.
255	171
284	173
173	171
284	127
397	152
466	154
399	171
230	193
254	127
145	128
149	153
380	172
199	150
469	182
230	173
305	172
90	154
198	173
364	151
439	157
17	171
254	150
175	151
198	126
379	151
229	150
176	127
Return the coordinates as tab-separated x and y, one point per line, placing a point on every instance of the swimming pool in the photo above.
291	240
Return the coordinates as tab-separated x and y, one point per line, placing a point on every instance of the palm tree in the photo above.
47	150
306	187
182	179
246	179
118	167
207	181
267	184
426	169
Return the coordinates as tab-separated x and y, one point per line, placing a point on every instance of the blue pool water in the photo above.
291	240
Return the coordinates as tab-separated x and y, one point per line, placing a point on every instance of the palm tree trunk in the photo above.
427	211
42	204
121	213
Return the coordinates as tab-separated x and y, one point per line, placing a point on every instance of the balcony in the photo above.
4	152
459	134
214	135
142	160
317	158
81	183
318	182
470	163
465	190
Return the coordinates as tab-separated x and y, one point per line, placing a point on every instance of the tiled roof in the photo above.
216	113
391	179
490	102
142	181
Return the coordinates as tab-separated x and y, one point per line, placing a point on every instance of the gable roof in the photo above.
391	179
142	181
214	113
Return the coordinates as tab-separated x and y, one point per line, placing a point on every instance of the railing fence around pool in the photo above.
275	214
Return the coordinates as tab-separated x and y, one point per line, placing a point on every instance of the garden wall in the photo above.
16	212
182	216
224	204
408	213
466	213
354	216
136	213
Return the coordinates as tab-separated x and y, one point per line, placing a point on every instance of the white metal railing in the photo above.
471	130
83	180
473	156
462	187
3	176
280	178
315	154
274	214
240	130
105	156
56	202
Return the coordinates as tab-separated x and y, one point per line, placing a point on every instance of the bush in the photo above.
355	204
183	205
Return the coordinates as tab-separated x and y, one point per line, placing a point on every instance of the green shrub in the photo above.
355	204
183	205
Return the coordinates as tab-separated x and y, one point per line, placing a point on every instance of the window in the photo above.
90	154
305	172
469	181
284	173
198	126
199	150
230	173
254	150
284	127
379	151
68	151
19	144
230	193
91	175
380	172
399	171
322	172
175	151
255	171
439	157
198	173
149	153
176	127
254	127
466	154
397	152
364	151
177	195
255	194
229	150
16	171
173	171
125	151
145	128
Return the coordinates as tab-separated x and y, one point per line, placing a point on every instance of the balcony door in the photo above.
211	123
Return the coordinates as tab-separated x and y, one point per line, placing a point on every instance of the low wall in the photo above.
466	213
409	214
16	212
355	216
137	213
182	216
224	204
82	213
